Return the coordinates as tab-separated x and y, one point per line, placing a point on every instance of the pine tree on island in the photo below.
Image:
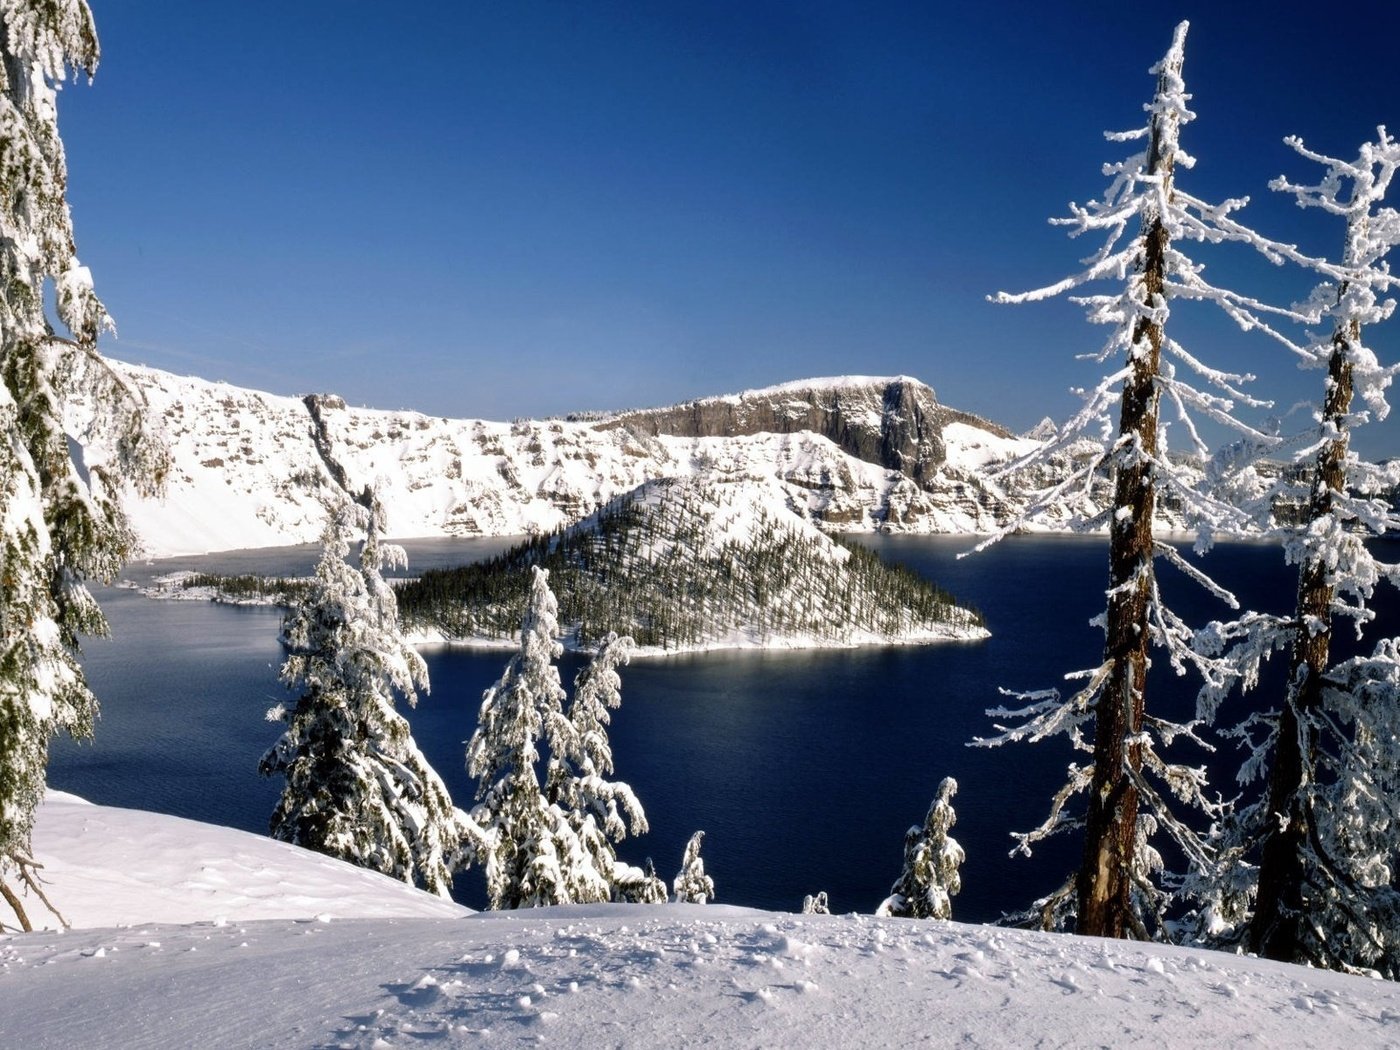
692	885
930	879
357	787
1117	891
61	522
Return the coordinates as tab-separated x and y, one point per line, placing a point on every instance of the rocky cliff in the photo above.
895	423
853	453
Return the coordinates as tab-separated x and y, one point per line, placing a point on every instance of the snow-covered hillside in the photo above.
857	453
107	867
694	563
619	975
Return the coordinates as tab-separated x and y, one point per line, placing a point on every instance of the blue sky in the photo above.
519	209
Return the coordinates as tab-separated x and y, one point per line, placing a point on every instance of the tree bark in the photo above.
1104	882
14	902
1277	928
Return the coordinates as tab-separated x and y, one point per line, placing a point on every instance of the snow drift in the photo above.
188	970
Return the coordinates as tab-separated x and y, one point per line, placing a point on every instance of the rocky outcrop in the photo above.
895	423
853	454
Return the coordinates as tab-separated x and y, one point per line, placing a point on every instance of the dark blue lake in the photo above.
803	768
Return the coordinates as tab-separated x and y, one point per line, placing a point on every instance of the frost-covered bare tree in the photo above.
930	879
1323	831
1144	217
61	522
357	786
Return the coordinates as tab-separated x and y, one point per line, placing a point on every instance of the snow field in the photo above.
662	975
106	866
193	935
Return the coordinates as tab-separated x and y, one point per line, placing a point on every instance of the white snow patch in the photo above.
105	866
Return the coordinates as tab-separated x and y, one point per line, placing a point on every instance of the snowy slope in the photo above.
628	976
107	867
857	453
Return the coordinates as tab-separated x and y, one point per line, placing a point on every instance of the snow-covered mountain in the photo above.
858	453
691	563
190	935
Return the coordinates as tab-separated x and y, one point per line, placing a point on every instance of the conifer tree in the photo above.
357	787
1128	781
930	879
633	885
1306	870
554	846
1301	873
61	521
599	811
692	885
533	859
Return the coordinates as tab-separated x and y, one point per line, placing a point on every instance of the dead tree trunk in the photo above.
12	899
1276	930
1104	883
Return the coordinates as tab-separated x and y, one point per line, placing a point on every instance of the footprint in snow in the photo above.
422	993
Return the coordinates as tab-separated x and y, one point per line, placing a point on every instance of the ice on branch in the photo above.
1132	284
1303	870
357	786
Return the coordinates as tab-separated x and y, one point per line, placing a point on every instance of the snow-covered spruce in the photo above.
691	563
357	787
558	849
526	864
930	879
61	520
691	885
1305	869
1127	785
600	811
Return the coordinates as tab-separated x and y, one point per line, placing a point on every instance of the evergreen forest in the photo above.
660	566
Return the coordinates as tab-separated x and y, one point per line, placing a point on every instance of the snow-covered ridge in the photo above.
896	423
851	454
184	968
816	383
